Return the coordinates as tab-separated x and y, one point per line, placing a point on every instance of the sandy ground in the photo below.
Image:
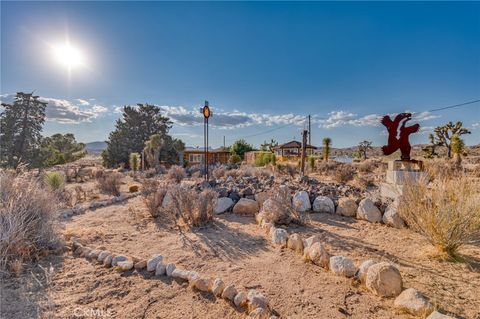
237	250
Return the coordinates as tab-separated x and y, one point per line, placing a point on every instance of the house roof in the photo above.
294	144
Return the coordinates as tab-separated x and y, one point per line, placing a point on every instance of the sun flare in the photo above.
68	56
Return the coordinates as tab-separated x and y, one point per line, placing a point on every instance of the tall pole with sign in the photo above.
206	114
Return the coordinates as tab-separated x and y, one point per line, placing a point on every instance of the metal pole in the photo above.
304	147
309	131
207	151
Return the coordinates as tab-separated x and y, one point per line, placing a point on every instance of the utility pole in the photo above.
309	130
304	149
224	142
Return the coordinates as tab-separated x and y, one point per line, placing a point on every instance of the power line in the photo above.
453	106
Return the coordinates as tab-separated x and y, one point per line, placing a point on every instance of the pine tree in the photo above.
21	124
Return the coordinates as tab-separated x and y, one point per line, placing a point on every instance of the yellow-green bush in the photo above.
54	181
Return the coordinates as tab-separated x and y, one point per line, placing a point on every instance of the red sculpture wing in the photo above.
386	121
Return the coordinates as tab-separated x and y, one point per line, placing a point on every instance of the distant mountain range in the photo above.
95	147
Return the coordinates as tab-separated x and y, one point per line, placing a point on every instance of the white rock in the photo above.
413	302
342	266
102	255
301	201
259	313
256	300
368	211
438	315
261	198
152	262
107	262
117	259
311	240
229	292
223	204
160	269
384	279
94	254
346	207
240	299
362	270
169	269
202	284
295	242
323	204
392	218
246	206
141	264
167	200
279	237
192	275
180	274
125	265
217	287
317	254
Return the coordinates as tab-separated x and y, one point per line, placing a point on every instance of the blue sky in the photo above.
262	65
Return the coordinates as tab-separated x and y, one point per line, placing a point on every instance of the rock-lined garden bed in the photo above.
252	301
82	208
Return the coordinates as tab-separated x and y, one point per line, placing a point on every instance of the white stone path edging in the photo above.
80	209
381	278
253	301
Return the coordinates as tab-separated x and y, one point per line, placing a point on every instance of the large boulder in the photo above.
362	270
323	204
413	302
384	280
392	218
301	201
317	254
223	204
347	207
280	237
273	212
342	266
295	242
246	207
368	211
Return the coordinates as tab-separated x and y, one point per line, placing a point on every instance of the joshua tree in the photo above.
326	148
445	133
364	147
458	146
430	149
152	150
134	160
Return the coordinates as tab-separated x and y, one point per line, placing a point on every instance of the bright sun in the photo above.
68	56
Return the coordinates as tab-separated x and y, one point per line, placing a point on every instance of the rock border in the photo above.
253	302
82	208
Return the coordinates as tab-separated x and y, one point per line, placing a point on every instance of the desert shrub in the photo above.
311	163
262	172
189	208
343	173
265	158
447	213
218	172
26	220
367	166
327	167
439	168
153	200
232	173
176	173
235	159
279	210
54	181
291	170
110	183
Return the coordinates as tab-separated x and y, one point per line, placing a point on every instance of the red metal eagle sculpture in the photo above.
394	142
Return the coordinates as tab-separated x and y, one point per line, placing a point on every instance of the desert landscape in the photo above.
246	159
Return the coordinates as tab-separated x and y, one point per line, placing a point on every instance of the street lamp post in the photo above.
206	114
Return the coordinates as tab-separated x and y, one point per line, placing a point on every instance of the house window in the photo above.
196	158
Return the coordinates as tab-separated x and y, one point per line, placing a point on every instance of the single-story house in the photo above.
293	149
195	156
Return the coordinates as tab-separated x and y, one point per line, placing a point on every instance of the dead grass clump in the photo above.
110	183
439	168
343	173
153	200
447	213
218	172
279	210
176	173
26	220
234	173
367	166
326	167
189	208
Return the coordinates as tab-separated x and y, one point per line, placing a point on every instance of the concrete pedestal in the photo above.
398	173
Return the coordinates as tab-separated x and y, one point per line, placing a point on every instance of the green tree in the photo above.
364	147
445	133
327	141
240	147
59	149
429	150
458	147
21	124
268	146
132	130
